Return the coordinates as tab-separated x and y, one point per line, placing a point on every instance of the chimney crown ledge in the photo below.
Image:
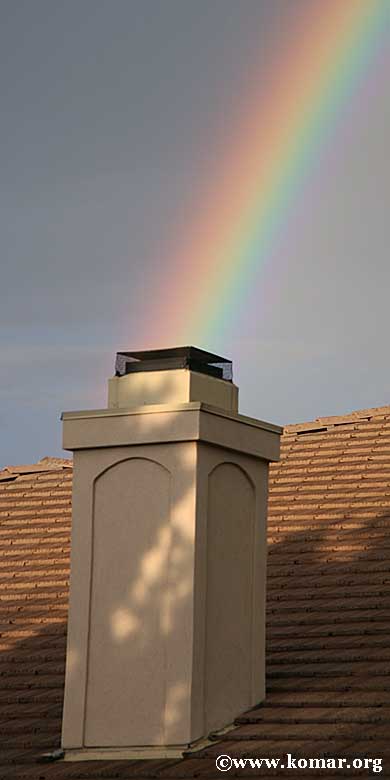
161	408
194	421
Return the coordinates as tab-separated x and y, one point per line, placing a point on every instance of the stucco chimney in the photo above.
168	565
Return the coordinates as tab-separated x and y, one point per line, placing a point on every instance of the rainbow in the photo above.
236	221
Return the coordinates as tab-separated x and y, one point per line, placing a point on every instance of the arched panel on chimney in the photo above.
131	542
229	594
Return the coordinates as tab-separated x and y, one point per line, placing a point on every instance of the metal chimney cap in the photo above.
191	358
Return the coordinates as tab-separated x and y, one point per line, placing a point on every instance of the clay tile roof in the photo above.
328	657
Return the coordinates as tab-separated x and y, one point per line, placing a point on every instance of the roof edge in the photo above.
9	473
323	423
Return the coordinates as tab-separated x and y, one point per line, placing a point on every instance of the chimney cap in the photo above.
192	358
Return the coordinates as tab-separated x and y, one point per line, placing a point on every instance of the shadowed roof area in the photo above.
328	657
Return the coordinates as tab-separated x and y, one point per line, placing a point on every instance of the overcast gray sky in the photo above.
111	110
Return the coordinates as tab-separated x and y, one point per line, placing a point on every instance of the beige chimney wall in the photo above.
167	596
176	387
